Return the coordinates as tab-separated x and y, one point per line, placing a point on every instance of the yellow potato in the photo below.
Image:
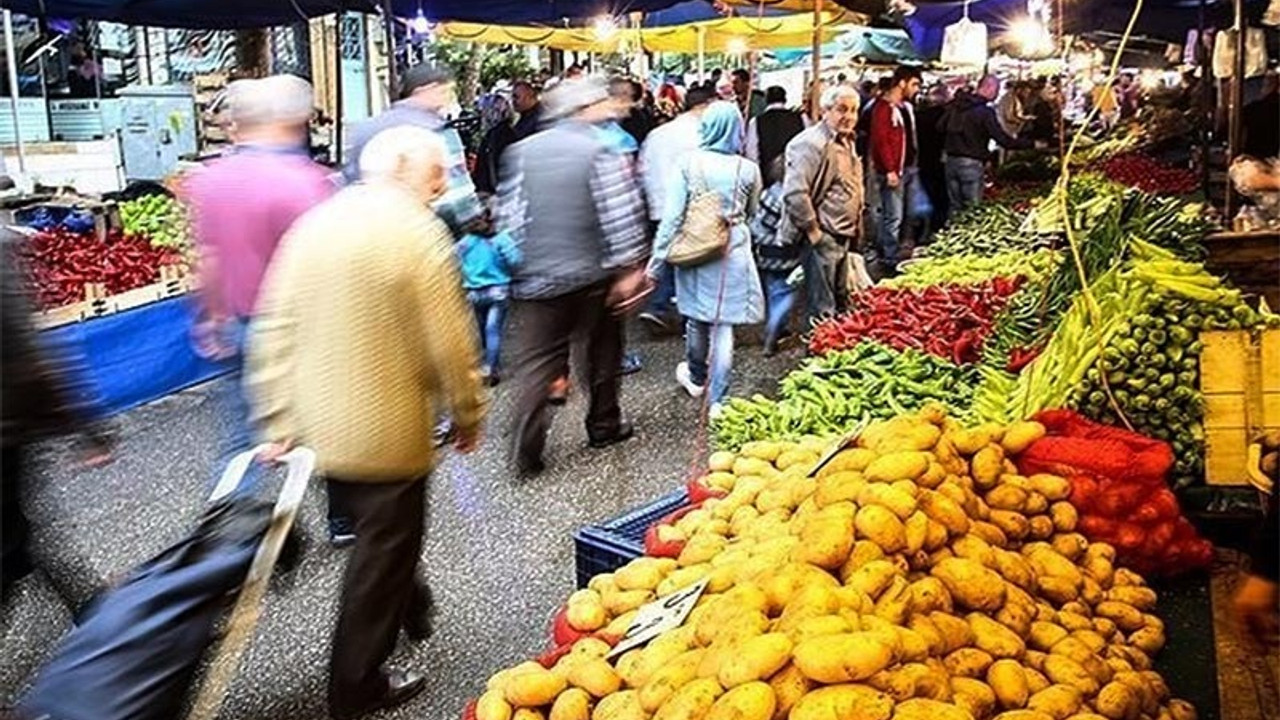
945	511
596	676
1053	487
843	702
1126	617
623	705
1142	598
974	696
923	709
639	574
666	680
789	685
852	460
618	602
1149	640
720	461
897	501
1007	497
1021	715
929	594
818	627
1063	670
1040	527
843	658
882	527
842	486
533	688
873	577
691	702
894	466
827	538
970	584
751	701
1117	701
1058	701
1015	526
586	616
955	632
1020	435
968	662
996	639
1064	515
986	466
528	714
757	659
573	704
493	706
1008	680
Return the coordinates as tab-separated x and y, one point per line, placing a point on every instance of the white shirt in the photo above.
661	156
752	150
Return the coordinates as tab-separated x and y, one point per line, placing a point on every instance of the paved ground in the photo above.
499	553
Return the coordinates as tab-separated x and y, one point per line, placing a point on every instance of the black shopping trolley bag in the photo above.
136	650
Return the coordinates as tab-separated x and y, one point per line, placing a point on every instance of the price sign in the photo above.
844	442
659	616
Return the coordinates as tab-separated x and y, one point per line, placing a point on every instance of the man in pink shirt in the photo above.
242	204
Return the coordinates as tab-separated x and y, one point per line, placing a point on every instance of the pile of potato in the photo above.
917	577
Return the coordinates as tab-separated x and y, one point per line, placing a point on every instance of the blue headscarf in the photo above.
721	129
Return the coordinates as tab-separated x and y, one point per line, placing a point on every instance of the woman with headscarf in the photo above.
715	296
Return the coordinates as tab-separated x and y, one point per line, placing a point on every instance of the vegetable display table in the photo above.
138	355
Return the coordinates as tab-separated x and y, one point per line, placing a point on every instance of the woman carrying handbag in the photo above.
704	234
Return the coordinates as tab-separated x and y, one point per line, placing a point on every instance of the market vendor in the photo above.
970	124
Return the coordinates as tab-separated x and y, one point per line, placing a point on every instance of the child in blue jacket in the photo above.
486	260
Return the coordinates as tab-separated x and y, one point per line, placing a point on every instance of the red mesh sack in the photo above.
469	712
671	548
549	658
562	633
1075	444
700	492
1118	486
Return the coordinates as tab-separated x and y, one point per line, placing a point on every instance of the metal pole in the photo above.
1203	123
393	76
816	86
337	89
1234	129
11	57
702	54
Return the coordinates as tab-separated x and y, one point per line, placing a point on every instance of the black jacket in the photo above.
970	124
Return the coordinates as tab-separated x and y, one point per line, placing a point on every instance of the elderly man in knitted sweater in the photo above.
362	324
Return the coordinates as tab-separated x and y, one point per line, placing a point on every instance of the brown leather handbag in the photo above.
704	232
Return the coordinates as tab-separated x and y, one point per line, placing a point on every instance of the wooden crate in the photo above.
97	303
1240	379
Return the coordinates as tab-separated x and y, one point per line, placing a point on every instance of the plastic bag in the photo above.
965	43
1255	53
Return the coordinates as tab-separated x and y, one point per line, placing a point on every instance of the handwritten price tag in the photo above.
659	616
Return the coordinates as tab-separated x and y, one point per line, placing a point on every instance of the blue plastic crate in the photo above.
605	547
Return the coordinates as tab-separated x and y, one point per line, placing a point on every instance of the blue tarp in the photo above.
138	355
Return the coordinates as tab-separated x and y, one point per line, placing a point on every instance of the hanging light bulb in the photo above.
604	27
736	46
420	25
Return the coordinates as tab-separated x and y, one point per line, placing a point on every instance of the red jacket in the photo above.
888	138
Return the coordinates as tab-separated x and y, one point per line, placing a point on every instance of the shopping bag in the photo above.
136	650
965	43
859	278
1224	53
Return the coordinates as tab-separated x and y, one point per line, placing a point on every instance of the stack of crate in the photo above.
1240	379
206	89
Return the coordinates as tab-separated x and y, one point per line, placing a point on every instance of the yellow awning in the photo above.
733	34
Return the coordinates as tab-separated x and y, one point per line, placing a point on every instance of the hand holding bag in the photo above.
704	232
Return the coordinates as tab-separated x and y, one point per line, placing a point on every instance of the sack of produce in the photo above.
663	538
1119	488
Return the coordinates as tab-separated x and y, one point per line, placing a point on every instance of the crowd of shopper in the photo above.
359	315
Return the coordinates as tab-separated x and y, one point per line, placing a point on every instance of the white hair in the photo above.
402	154
832	95
278	99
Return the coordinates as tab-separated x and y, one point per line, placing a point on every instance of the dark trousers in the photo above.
15	560
380	586
546	332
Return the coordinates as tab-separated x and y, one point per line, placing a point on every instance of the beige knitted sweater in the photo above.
361	325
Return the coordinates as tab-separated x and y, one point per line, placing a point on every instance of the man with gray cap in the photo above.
242	204
426	90
577	213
